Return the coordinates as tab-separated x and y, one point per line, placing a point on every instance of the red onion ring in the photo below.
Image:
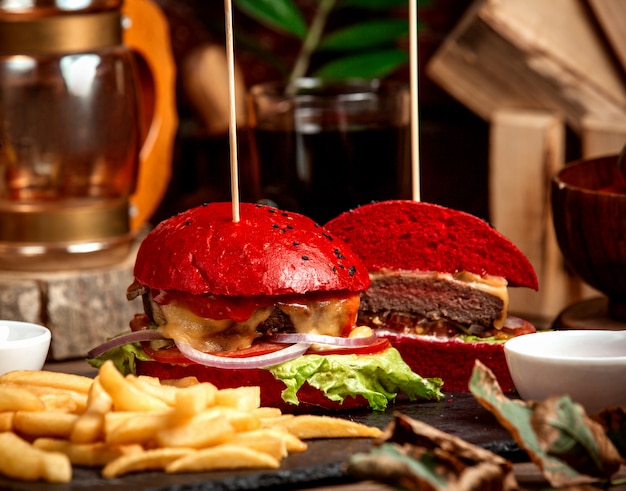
293	337
261	361
131	337
513	322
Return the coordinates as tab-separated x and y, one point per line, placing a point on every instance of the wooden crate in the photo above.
530	68
531	54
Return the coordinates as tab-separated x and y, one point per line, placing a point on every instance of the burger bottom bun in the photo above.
451	360
311	399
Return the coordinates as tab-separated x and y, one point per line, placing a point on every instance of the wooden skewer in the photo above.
230	57
415	162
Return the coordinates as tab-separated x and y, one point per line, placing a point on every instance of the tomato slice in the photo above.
171	354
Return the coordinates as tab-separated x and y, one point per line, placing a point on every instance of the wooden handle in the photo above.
148	36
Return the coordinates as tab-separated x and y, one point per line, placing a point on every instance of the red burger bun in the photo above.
227	293
265	254
406	236
418	236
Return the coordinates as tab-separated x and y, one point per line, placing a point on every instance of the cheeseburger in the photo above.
269	300
439	286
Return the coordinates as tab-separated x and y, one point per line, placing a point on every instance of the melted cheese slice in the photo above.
316	317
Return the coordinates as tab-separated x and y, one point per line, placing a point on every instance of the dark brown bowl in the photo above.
590	225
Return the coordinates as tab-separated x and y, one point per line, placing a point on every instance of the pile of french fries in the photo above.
51	421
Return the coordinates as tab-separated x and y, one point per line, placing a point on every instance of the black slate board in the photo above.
323	463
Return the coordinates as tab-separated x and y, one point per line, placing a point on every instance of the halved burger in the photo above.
269	300
439	286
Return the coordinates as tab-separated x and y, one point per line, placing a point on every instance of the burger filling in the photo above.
213	323
437	304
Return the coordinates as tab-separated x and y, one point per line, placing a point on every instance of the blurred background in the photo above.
453	140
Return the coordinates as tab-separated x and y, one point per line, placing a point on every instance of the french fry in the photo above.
62	400
222	457
293	443
181	382
205	429
133	423
194	399
242	398
44	423
153	459
43	378
89	427
152	386
15	398
53	398
21	460
276	421
125	395
96	454
310	426
240	420
267	412
139	427
6	420
276	443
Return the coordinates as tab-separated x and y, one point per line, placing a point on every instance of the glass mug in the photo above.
71	134
324	147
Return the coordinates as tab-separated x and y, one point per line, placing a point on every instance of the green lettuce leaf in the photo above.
123	357
378	378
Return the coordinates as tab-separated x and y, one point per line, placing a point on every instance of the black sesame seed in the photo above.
342	266
285	214
275	225
188	222
271	210
305	258
352	270
334	269
338	253
329	237
296	244
289	227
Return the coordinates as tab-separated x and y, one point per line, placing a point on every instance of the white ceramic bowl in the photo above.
587	365
23	346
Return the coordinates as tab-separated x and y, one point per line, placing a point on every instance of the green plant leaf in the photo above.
283	15
365	65
365	35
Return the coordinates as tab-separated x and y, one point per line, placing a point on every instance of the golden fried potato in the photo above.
227	456
310	426
126	396
44	423
15	398
205	429
96	454
43	378
154	459
20	460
